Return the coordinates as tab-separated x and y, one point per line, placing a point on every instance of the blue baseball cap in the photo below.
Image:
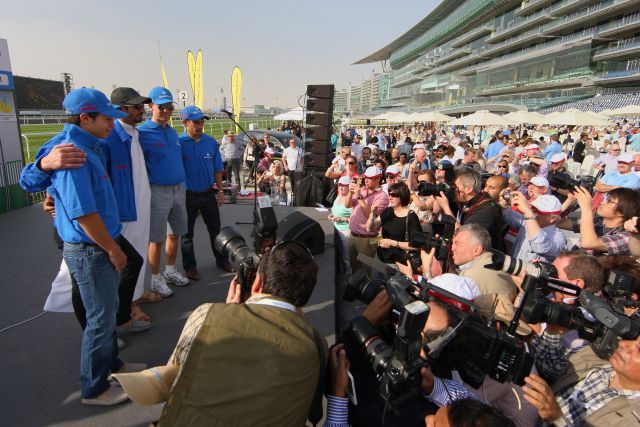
160	95
192	113
86	100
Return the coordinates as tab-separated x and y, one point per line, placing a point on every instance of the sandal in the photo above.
149	296
138	314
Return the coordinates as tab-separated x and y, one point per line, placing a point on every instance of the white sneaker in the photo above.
175	277
159	285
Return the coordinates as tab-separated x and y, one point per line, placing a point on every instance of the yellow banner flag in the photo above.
236	93
195	77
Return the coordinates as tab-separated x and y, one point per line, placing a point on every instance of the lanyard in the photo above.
272	303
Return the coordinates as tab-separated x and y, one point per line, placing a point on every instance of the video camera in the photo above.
564	181
472	347
609	324
620	288
244	261
428	241
425	189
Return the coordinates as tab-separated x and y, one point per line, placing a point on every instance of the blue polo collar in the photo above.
122	134
81	137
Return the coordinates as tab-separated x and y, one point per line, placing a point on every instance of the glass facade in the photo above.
510	51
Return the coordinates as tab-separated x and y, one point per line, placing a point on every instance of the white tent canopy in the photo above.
629	110
297	114
484	118
529	117
431	116
574	117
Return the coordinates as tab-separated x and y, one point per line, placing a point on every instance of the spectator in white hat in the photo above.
558	170
392	175
538	236
340	215
534	157
363	200
622	177
538	186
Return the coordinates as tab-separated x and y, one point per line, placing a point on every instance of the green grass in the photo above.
39	134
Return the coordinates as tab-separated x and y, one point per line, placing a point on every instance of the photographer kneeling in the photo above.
255	361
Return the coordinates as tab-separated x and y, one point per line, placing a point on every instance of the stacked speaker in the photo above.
318	131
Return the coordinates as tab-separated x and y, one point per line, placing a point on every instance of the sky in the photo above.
280	45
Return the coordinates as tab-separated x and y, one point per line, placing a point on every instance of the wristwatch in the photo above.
528	218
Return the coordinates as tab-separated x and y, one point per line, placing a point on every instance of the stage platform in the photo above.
39	383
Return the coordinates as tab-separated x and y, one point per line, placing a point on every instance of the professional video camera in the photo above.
564	181
620	288
244	261
471	347
428	241
609	325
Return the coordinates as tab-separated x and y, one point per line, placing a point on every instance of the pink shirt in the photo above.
358	220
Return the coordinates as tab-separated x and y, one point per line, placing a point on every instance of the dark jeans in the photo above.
126	287
292	179
235	165
207	205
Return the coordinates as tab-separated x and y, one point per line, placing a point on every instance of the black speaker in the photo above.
318	132
320	91
302	229
319	104
316	146
320	119
313	160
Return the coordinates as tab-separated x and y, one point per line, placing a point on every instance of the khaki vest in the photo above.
580	363
250	365
618	412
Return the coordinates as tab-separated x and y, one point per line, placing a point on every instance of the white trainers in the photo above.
159	285
175	277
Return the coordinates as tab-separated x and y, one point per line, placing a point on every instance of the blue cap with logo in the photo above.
192	113
160	95
87	100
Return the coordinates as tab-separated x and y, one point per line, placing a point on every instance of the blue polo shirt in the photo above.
116	153
628	180
494	149
162	154
555	148
201	161
83	191
33	179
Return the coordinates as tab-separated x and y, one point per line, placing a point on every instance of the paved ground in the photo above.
39	360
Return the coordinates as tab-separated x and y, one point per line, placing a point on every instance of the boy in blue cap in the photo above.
88	222
203	168
163	157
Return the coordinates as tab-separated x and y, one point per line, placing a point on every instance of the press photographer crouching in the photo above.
248	362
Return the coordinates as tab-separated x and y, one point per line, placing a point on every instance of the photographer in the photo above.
538	236
562	358
470	252
222	344
605	232
559	172
475	206
396	223
363	201
608	395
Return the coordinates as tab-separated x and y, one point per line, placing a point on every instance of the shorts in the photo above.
168	205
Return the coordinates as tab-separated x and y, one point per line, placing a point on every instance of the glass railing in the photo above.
621	47
519	24
619	73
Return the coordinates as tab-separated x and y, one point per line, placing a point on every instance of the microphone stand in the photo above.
260	153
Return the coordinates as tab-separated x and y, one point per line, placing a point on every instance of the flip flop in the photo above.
138	314
149	296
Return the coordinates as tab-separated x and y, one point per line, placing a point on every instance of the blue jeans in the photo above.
98	283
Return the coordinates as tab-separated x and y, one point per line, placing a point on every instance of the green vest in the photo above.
250	365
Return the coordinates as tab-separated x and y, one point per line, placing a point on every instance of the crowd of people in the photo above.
123	190
474	193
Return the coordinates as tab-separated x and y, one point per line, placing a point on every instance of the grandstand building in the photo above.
468	55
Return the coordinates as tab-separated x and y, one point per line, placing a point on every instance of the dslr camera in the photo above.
244	261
